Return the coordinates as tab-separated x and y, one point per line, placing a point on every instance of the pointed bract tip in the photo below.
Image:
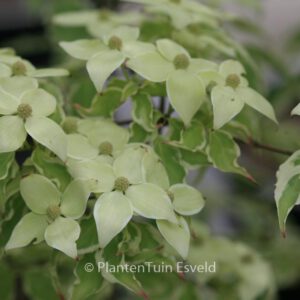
144	295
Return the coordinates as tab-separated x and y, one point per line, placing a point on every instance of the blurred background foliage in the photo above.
236	210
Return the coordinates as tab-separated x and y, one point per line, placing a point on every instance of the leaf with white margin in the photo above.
100	174
83	49
62	235
5	71
257	102
287	190
112	212
80	148
12	133
226	105
18	85
296	110
74	199
129	164
39	192
31	228
151	66
49	134
170	49
230	66
48	72
8	103
186	93
226	159
102	65
154	171
151	201
42	103
177	235
187	200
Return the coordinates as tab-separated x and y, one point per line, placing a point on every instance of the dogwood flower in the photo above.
230	93
13	65
24	108
97	22
173	64
106	55
53	214
124	192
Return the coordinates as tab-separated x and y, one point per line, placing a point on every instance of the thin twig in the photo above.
255	144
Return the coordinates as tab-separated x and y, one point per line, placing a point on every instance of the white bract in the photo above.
106	55
173	64
24	108
53	214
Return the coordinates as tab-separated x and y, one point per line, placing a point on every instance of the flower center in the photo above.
53	212
24	111
121	184
181	61
210	86
19	68
233	80
115	43
70	125
106	148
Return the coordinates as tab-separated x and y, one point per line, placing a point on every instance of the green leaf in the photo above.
39	192
152	66
187	200
7	282
8	103
177	235
150	201
186	93
87	283
83	49
49	134
138	133
287	191
142	111
51	167
88	240
112	212
62	235
6	160
74	199
12	133
226	105
225	160
257	102
42	103
102	65
31	228
171	160
194	137
38	285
